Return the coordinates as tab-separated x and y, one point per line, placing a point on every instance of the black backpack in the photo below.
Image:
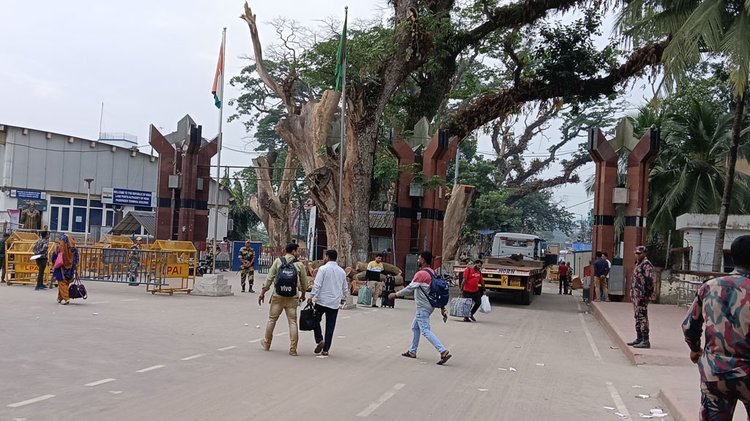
286	278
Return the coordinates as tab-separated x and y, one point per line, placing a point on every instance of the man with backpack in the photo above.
430	292
289	278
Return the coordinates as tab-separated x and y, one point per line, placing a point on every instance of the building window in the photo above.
67	218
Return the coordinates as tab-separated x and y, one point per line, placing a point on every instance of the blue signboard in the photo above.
29	194
125	197
27	197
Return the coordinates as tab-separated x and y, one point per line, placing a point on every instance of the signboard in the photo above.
26	268
125	197
177	270
27	197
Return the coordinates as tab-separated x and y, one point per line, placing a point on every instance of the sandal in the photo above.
444	357
409	354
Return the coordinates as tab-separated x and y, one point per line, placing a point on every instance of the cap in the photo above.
640	249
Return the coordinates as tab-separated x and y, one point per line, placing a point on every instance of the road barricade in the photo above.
179	266
20	269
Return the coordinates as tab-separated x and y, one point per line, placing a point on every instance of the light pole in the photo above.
86	226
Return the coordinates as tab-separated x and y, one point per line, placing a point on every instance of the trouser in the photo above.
421	325
564	284
2	268
476	297
331	314
289	306
249	275
600	285
377	290
640	311
63	294
718	399
42	265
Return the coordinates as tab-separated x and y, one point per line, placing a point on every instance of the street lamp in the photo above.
86	226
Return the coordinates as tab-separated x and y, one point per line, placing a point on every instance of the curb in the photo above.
613	334
668	398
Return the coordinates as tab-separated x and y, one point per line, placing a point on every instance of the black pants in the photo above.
476	297
331	314
564	283
2	266
42	265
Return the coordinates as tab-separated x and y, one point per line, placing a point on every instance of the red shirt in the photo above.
563	270
471	280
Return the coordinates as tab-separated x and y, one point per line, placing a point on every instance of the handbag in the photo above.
364	296
461	307
58	260
484	306
308	319
77	290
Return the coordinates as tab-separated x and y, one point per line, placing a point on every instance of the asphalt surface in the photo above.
123	354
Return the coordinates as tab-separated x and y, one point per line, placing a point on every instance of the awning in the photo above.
133	221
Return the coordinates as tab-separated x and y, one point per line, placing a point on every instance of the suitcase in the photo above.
390	288
461	307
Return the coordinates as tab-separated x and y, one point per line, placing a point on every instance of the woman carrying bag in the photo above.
65	260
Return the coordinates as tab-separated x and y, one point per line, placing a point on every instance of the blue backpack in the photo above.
439	291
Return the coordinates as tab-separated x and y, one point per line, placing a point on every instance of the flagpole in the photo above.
218	166
342	144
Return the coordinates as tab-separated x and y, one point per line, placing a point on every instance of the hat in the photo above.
139	238
640	249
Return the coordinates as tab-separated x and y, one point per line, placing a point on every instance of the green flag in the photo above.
341	58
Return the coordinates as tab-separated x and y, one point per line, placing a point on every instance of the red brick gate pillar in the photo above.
603	230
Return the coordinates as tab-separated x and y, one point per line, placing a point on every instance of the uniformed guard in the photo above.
641	290
247	269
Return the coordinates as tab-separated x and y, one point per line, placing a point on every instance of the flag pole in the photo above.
342	144
218	166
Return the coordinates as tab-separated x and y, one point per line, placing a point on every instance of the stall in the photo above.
176	265
18	264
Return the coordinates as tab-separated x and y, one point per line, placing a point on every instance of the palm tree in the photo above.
700	29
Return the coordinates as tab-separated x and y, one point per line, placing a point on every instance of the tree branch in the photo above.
567	176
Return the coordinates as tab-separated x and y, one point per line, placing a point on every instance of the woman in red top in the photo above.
473	287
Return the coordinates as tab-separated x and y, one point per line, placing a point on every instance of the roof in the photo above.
381	219
517	235
581	247
133	221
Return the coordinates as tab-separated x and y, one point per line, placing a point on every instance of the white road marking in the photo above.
127	300
30	401
590	338
226	348
280	334
192	357
347	317
153	367
115	392
618	400
381	400
255	340
100	302
98	382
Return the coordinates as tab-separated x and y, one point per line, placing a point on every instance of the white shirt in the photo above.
330	286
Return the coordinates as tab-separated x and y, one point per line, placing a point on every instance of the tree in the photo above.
241	188
714	29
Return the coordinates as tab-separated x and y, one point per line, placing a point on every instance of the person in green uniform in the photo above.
247	270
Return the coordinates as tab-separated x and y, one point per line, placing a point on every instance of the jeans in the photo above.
421	325
42	265
564	284
331	314
476	297
289	306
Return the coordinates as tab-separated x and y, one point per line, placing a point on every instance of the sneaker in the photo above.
252	291
643	345
293	353
466	319
634	342
472	318
319	347
324	353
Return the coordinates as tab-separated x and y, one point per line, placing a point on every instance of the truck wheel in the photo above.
525	298
538	290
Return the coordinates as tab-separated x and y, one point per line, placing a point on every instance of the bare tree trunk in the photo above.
273	207
455	216
728	184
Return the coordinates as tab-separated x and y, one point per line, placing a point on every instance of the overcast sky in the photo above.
149	62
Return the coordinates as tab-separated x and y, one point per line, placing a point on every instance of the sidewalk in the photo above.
668	356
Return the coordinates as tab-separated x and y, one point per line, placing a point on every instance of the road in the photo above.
127	355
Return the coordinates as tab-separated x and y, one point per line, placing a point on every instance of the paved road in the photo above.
127	355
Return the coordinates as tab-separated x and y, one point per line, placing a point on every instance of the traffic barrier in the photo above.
20	269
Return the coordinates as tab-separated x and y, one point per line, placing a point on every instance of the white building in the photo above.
700	233
49	170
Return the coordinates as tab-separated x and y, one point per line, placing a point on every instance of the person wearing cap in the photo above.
641	291
247	269
134	261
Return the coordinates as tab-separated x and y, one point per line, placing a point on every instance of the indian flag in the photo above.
218	88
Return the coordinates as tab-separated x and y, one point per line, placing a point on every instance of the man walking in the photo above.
564	278
473	287
289	278
247	269
41	248
420	287
641	290
329	292
723	304
3	245
601	269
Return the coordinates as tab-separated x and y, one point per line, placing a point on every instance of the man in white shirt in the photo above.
329	293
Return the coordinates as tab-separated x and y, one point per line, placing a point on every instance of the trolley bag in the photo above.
461	307
390	288
307	318
364	296
77	290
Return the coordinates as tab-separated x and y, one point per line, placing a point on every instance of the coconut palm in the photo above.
700	29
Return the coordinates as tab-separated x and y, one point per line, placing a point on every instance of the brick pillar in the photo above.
163	194
637	208
603	230
405	213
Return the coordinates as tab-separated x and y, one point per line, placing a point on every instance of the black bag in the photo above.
77	290
390	287
308	319
286	278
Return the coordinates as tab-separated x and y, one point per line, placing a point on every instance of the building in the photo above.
50	170
699	235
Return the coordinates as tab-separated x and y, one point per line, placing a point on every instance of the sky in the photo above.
152	62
